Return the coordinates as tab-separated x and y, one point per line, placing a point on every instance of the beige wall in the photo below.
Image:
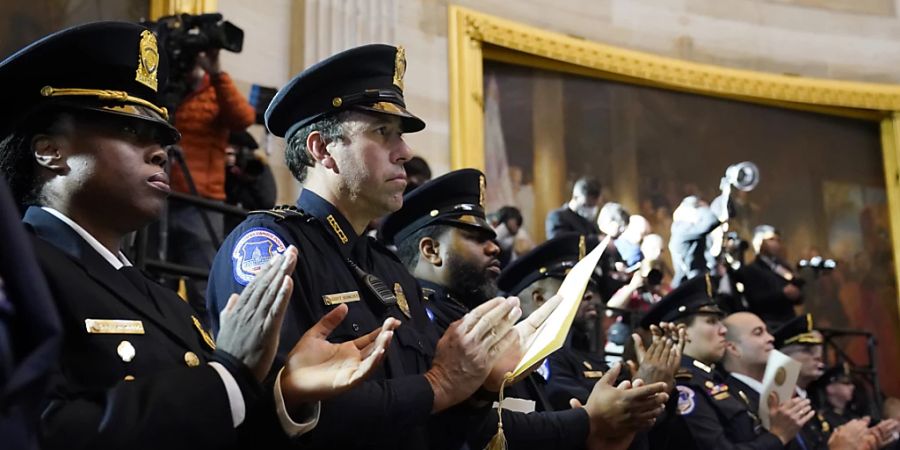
842	39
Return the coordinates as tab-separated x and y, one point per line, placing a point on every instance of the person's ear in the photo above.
537	297
49	152
430	251
318	148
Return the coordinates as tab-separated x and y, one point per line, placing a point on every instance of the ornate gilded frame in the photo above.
475	37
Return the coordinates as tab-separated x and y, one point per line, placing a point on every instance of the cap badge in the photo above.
481	187
399	66
148	60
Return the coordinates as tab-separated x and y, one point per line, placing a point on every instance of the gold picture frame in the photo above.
475	37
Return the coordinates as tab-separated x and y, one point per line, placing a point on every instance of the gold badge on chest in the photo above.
401	300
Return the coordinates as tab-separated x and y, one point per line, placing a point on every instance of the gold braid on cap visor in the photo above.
122	96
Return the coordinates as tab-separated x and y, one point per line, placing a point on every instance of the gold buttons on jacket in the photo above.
191	359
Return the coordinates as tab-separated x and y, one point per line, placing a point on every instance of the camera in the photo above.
817	263
182	37
733	249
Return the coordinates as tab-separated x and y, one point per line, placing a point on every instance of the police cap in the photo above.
367	78
552	259
798	330
455	198
694	296
111	67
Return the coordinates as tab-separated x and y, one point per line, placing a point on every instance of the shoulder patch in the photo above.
686	401
253	250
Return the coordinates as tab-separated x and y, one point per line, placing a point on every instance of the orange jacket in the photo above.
205	119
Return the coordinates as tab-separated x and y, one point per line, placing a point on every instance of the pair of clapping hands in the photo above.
617	412
315	369
857	435
477	350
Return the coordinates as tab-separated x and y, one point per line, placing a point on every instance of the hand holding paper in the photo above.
525	330
551	335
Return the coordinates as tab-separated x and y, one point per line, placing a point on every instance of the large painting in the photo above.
536	111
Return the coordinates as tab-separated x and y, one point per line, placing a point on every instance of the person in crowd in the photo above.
837	386
206	116
578	215
692	243
628	243
799	339
454	257
30	331
708	414
417	172
771	288
83	149
344	120
512	237
249	183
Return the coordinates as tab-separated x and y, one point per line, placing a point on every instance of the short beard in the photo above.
470	283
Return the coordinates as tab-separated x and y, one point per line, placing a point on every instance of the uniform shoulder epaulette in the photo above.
283	212
684	374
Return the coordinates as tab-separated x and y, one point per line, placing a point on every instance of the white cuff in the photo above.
235	397
291	428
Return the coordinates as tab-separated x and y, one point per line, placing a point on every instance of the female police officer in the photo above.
82	146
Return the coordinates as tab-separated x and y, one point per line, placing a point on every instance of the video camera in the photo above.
182	37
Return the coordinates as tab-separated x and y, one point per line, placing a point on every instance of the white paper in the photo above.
781	378
552	333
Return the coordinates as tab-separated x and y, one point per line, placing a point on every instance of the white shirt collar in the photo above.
754	384
801	392
117	261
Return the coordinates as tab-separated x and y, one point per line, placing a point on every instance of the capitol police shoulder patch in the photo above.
252	251
686	401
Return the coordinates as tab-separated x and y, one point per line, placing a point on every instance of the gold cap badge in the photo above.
481	187
399	66
148	60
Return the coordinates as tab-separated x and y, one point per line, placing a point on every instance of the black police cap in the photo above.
368	78
694	296
111	67
552	259
455	198
798	330
839	373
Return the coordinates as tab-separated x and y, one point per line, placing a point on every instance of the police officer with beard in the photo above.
443	238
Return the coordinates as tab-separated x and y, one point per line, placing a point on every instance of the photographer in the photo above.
211	108
770	287
248	179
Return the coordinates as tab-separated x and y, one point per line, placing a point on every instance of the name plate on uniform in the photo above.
343	297
112	326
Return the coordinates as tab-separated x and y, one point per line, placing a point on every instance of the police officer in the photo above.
798	339
572	371
708	414
444	239
344	119
83	147
770	287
